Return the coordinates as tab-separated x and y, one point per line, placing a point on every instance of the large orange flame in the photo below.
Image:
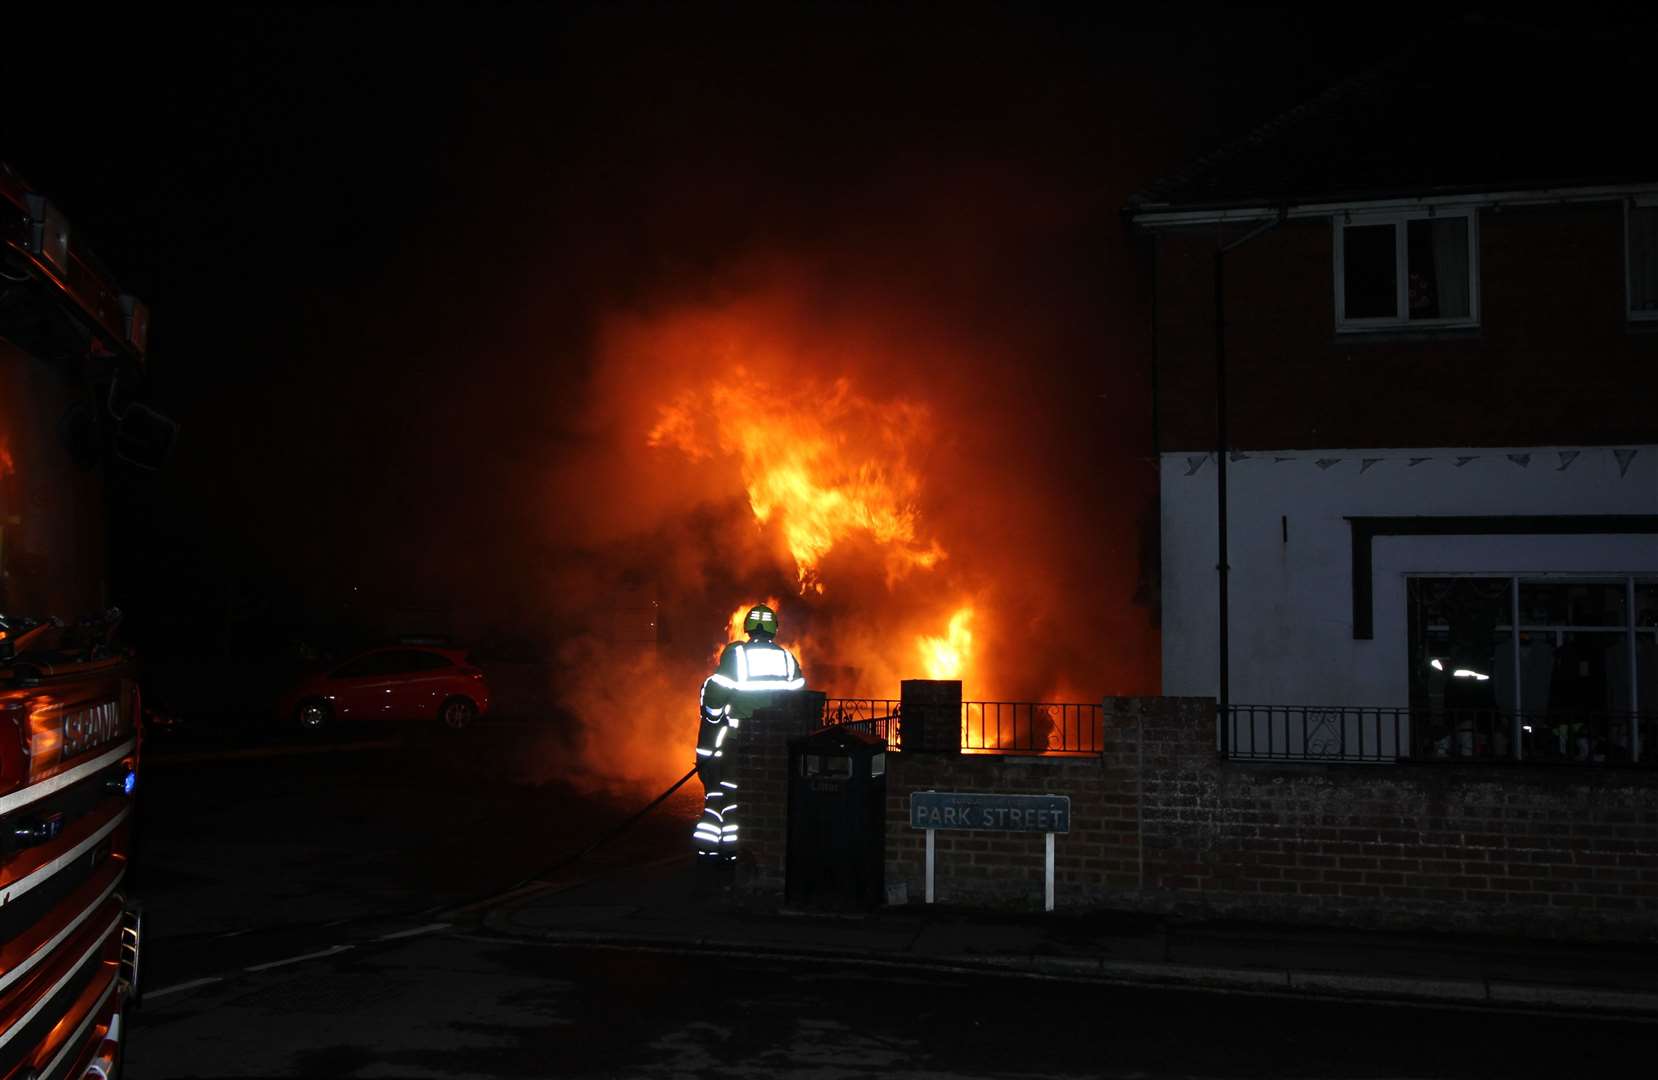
948	656
769	442
820	464
827	468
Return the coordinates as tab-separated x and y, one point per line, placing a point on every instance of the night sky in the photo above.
376	242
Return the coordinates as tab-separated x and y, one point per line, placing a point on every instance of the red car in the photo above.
394	682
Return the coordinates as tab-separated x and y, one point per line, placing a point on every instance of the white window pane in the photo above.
1370	273
1438	260
1643	258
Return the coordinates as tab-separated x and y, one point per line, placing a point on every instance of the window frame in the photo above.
406	661
1339	223
431	661
371	666
1632	630
1639	202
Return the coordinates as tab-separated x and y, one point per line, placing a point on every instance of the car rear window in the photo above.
364	666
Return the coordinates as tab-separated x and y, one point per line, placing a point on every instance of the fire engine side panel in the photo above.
52	550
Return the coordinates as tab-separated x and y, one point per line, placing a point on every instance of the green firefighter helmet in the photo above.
760	620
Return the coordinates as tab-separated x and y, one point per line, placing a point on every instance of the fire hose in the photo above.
613	833
487	898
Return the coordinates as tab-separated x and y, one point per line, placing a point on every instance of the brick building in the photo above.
1440	313
1439	286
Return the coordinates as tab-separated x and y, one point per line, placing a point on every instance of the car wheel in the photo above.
314	715
457	713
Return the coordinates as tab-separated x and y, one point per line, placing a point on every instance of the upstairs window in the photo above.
1641	253
1406	271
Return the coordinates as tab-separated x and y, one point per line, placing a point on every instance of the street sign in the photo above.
1048	814
979	810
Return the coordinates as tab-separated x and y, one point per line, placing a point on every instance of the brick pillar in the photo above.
760	764
930	716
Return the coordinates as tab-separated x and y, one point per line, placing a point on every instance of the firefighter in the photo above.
749	674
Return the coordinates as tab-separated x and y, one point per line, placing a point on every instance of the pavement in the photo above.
661	906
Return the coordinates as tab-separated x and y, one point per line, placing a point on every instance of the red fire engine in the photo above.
71	353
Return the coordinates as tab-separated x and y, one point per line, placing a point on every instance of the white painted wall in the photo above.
1291	602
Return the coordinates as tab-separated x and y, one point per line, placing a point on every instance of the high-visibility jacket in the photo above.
749	672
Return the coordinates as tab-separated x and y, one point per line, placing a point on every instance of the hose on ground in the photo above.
613	833
493	895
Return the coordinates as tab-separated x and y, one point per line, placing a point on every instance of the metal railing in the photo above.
988	727
1031	727
1390	734
875	716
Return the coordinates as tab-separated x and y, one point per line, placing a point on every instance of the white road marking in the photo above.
301	958
182	987
427	929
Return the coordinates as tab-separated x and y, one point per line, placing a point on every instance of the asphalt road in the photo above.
462	1004
306	917
249	849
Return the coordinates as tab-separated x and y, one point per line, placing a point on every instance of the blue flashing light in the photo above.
129	782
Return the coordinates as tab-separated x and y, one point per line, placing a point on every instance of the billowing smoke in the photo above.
910	465
854	329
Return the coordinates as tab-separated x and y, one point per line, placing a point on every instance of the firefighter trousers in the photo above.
715	834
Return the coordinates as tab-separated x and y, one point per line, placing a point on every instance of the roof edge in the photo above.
1154	216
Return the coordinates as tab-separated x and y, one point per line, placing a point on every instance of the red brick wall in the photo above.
1098	856
1554	361
1563	851
1159	823
760	766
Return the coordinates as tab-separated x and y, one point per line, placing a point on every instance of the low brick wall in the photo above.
1159	823
1098	857
1555	851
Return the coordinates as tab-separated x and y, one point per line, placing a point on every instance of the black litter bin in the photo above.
837	820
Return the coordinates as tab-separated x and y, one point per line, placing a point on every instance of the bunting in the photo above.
1564	459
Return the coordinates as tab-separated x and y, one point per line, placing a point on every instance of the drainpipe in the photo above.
1223	446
